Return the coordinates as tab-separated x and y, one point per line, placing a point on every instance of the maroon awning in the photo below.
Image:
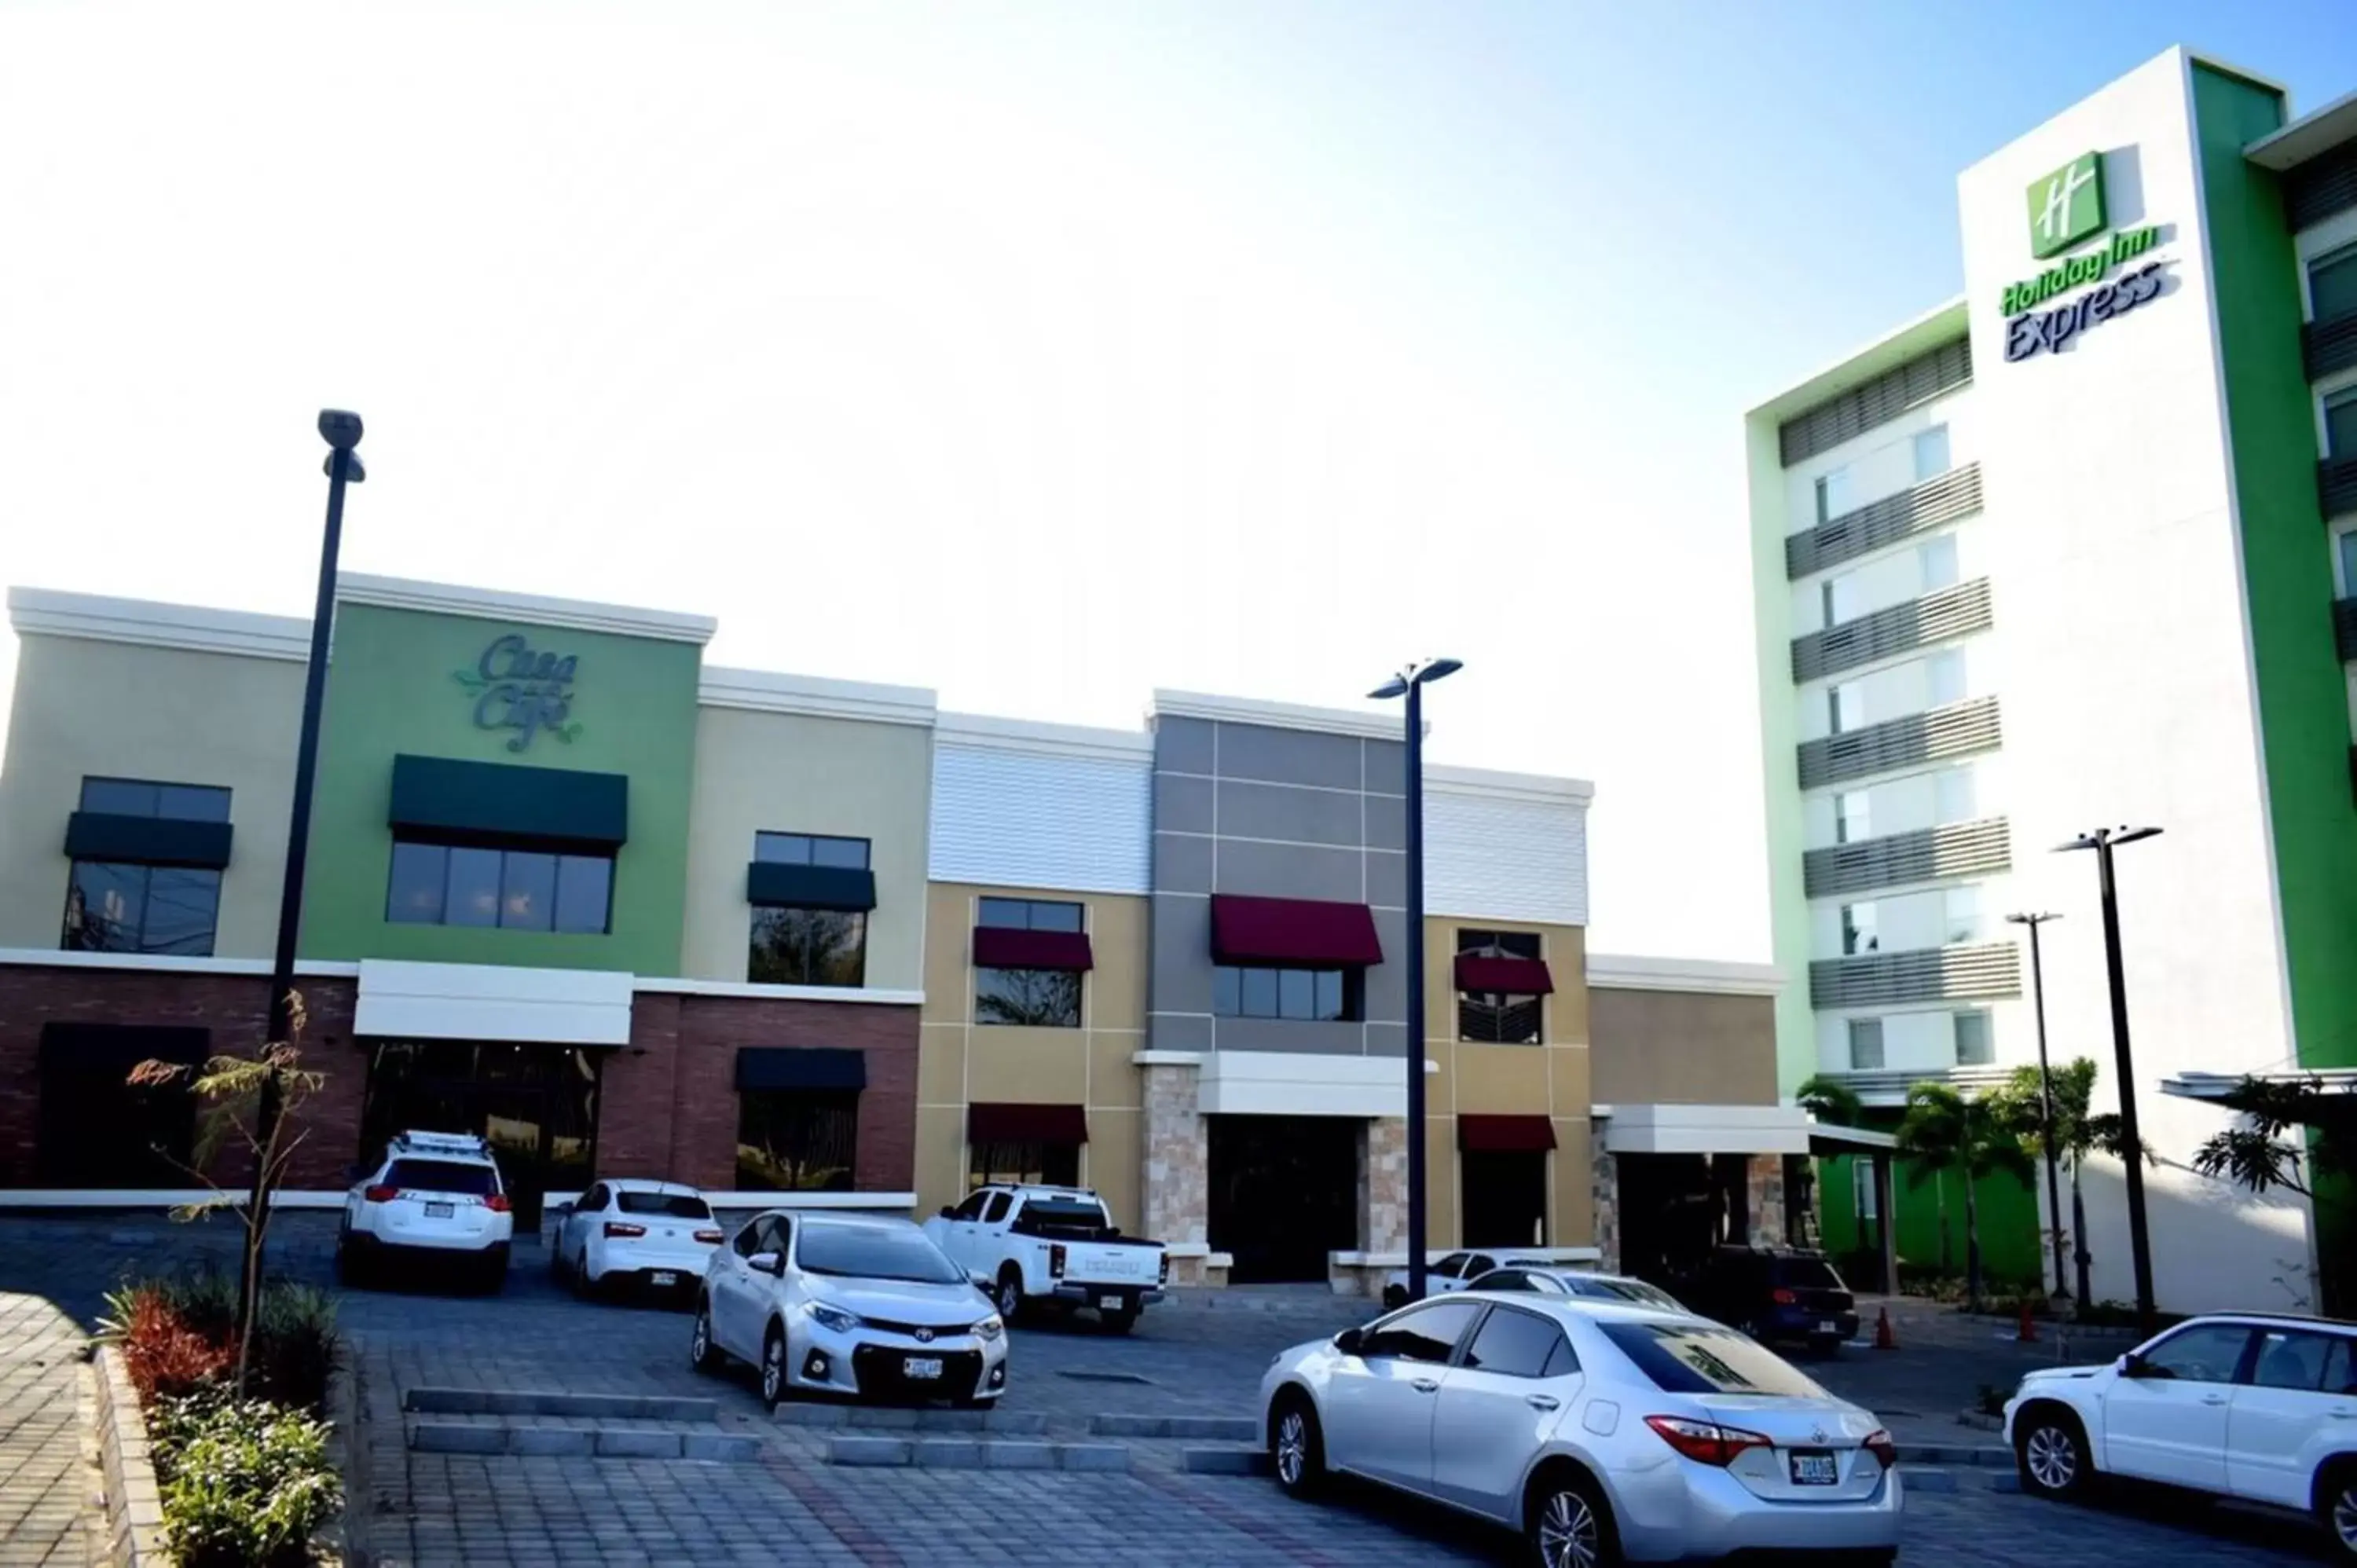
1305	932
1513	976
1002	947
1004	1121
1505	1134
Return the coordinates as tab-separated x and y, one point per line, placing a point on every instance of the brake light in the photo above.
712	1236
1878	1443
1166	1268
1783	1297
1055	1260
1703	1442
617	1230
380	1194
497	1203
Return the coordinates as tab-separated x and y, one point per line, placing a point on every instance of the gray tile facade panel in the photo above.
1288	757
1288	871
1386	822
1182	864
1180	980
1182	803
1183	746
1386	879
1390	1040
1289	1035
1283	812
1386	983
1386	766
1179	1031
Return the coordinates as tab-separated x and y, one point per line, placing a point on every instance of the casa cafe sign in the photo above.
2066	208
517	688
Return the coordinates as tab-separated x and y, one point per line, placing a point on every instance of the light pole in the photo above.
342	432
2046	1093
2103	841
1410	683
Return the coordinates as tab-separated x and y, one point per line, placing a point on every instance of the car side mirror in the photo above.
766	1264
948	1212
1349	1340
982	1283
2128	1365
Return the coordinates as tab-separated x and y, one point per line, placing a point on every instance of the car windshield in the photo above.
442	1175
1704	1359
875	1252
670	1205
1809	1273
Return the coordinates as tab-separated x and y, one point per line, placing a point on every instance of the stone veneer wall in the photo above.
1606	1187
1764	1188
1175	1183
1382	1186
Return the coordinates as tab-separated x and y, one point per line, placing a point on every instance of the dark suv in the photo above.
1775	1294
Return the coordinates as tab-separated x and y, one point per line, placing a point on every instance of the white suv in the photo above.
2249	1405
437	1194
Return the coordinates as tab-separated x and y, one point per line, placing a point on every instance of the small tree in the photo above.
2078	1133
1931	1136
232	1086
2263	1152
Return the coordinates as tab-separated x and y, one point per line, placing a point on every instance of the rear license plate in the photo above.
1108	1304
1827	1326
919	1368
664	1277
1816	1469
439	1212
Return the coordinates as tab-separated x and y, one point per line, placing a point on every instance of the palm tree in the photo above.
1991	1147
1830	1101
1931	1136
1945	1130
2078	1133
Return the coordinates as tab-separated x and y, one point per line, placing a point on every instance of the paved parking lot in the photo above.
790	1505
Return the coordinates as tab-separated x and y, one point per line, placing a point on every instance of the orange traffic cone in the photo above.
1884	1340
2027	1333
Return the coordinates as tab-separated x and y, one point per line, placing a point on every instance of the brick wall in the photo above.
708	1033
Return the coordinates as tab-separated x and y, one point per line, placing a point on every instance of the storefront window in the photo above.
797	1139
536	1105
118	907
808	947
1023	1164
1035	998
512	889
1317	995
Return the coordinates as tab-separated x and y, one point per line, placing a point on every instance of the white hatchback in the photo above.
434	1195
2248	1406
653	1235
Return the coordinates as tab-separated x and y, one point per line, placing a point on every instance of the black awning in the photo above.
442	796
775	886
147	840
801	1067
119	1048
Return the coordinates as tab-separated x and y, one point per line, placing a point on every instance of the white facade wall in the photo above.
1503	849
1018	805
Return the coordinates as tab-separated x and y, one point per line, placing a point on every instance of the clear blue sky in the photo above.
1044	354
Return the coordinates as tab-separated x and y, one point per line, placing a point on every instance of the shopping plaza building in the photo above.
816	942
2076	550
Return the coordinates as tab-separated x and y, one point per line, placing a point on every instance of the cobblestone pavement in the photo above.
48	1484
1201	1355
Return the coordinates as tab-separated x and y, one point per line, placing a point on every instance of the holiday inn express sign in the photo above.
2067	207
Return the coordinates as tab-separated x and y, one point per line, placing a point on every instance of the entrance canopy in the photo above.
486	1002
1706	1128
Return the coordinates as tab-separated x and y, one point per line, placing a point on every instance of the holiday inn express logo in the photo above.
2067	206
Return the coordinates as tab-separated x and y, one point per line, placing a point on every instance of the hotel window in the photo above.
1858	930
1312	995
1833	496
793	946
1865	1045
1952	794
1846	707
1960	908
1974	1045
2333	285
2341	423
1861	1189
797	1139
1499	1018
1026	997
1839	598
1945	674
1853	817
1938	560
2344	545
511	889
121	905
1930	453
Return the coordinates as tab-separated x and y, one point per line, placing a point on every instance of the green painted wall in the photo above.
393	688
2012	1244
2287	563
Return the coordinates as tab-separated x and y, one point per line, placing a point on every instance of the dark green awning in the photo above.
148	841
790	1067
775	886
492	801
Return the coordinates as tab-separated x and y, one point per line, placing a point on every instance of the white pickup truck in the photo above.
1034	1245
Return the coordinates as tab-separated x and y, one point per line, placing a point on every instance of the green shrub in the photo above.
177	1333
242	1483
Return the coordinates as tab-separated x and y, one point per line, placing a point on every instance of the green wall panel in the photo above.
2012	1244
2287	564
404	681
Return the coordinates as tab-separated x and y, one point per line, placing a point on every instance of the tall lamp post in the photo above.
2102	841
342	432
1410	683
2046	1091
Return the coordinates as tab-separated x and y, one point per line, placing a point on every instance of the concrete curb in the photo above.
1985	1456
1203	1428
348	1445
573	1441
969	1454
587	1407
874	1418
134	1506
1226	1461
1969	1480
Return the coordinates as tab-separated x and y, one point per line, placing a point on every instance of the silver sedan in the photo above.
1603	1432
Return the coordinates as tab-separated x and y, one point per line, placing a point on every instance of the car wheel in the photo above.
2050	1447
1566	1523
2336	1510
1296	1447
1394	1297
1120	1322
773	1367
700	1353
1009	1298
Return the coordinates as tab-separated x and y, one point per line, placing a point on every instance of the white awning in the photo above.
1707	1130
492	1001
1301	1083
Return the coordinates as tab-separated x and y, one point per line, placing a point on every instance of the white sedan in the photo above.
656	1235
831	1303
1453	1273
1603	1432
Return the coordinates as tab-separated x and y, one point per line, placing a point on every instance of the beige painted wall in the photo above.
1551	1077
1676	1048
116	709
764	772
959	1062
